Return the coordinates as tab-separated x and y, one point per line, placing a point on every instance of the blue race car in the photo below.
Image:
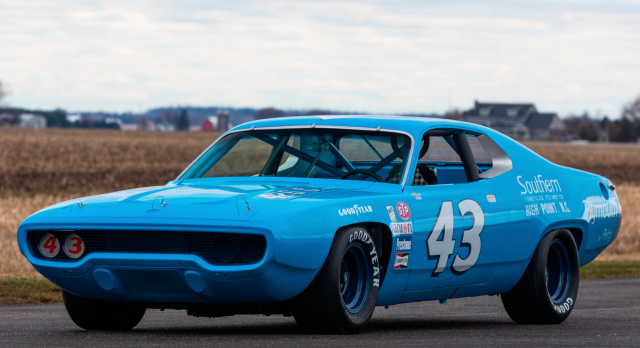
323	219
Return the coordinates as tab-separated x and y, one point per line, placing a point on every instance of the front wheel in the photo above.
547	291
92	314
342	297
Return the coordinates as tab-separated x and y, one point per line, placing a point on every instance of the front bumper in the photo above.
173	278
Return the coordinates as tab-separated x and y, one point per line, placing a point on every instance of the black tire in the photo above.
321	308
546	295
92	314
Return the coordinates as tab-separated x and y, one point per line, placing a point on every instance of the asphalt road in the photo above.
607	313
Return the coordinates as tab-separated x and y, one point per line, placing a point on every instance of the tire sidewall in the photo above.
559	312
346	320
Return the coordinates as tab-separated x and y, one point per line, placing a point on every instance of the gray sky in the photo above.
375	56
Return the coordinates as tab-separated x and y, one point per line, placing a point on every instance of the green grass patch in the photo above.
28	290
611	269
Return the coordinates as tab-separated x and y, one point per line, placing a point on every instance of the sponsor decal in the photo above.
532	209
606	236
542	186
392	214
402	260
403	211
403	243
275	195
491	198
539	185
402	227
355	210
293	192
546	208
366	239
417	196
593	212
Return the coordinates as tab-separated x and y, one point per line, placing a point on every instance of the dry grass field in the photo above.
42	167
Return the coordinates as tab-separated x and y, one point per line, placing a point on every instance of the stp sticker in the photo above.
392	214
49	246
73	246
402	260
403	243
403	211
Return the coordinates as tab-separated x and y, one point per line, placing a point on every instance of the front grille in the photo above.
213	247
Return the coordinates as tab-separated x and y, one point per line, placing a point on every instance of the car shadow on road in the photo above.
262	329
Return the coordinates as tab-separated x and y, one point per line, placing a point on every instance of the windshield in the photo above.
306	153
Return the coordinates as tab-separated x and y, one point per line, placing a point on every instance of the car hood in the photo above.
196	199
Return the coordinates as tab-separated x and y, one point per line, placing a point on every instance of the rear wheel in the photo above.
342	297
547	291
92	314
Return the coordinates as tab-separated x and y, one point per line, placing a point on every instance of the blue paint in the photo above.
299	230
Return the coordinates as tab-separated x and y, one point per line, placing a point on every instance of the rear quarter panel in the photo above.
543	196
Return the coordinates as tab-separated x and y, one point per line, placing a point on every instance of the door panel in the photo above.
458	234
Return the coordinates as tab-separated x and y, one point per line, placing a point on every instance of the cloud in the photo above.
405	56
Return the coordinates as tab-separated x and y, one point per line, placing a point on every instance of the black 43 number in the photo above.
440	244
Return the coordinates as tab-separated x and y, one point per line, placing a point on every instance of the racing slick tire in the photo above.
342	297
547	291
92	314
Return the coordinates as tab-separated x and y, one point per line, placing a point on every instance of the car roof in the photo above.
409	124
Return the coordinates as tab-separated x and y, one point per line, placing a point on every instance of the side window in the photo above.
440	165
439	151
451	156
480	154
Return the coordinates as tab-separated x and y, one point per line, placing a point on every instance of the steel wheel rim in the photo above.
558	272
355	276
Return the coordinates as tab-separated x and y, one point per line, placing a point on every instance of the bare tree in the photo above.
632	110
268	113
4	91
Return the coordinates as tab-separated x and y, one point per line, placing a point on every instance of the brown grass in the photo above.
55	161
41	167
619	162
627	244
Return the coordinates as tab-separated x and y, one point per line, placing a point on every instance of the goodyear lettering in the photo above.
365	238
355	210
564	307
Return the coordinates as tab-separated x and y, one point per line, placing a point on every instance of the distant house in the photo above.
219	122
23	121
519	121
32	121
